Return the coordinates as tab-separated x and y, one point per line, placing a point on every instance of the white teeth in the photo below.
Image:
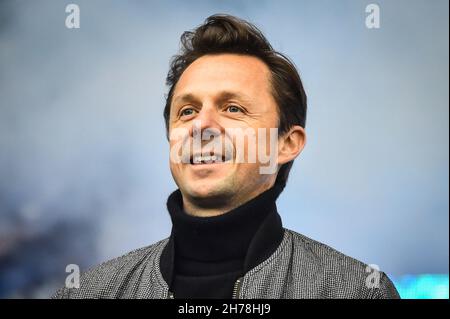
200	159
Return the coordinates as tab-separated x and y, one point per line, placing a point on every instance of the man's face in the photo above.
221	92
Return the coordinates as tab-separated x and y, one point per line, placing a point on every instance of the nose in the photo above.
207	119
205	128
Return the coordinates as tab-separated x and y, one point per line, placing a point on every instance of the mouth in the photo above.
207	159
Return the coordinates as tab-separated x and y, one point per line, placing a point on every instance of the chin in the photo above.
206	189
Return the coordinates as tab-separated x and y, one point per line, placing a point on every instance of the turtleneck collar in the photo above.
244	236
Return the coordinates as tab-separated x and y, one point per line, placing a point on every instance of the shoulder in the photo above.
118	277
338	274
320	252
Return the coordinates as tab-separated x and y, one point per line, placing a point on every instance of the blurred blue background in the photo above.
84	172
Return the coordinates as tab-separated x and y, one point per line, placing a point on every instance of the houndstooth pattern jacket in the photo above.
299	268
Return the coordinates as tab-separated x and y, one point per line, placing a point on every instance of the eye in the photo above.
187	112
233	109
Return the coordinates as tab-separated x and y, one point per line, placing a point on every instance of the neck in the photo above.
216	237
234	241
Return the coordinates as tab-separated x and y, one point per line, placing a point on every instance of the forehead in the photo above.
225	72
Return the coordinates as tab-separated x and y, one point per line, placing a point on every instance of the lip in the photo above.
206	165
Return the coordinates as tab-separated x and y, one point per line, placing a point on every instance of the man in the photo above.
229	86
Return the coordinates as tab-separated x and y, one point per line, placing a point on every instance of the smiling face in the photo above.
222	91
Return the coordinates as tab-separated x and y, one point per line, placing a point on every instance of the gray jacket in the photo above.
299	268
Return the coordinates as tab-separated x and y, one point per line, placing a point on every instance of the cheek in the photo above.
249	174
173	169
261	146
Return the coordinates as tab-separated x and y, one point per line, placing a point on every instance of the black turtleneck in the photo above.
206	255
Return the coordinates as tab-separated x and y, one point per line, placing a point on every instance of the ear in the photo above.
291	144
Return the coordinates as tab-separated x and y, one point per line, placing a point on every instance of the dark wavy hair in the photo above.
227	34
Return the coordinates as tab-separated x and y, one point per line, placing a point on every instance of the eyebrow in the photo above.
185	98
221	97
